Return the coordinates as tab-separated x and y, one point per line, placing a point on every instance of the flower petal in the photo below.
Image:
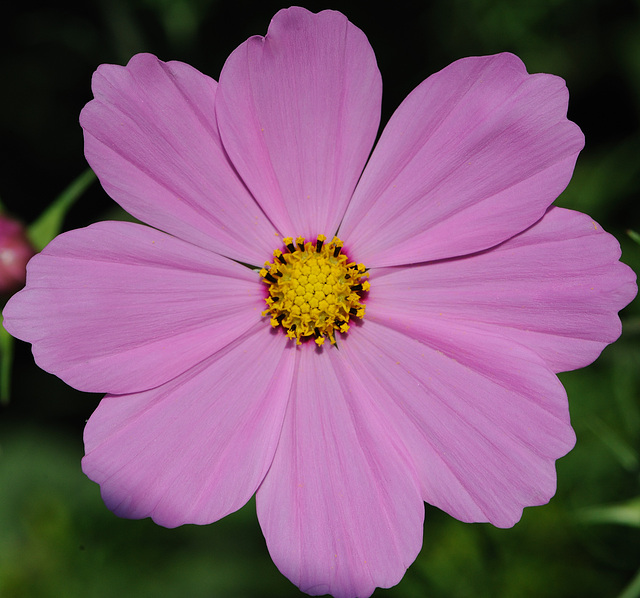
483	418
556	288
196	448
298	112
339	508
151	137
474	155
119	307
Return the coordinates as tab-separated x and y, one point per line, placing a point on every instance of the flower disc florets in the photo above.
313	289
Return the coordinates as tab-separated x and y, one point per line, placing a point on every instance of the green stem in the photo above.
6	360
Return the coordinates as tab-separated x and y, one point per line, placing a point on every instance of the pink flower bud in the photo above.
15	252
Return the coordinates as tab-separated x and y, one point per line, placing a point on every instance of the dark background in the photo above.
57	538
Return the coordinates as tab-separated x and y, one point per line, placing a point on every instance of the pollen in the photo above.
314	289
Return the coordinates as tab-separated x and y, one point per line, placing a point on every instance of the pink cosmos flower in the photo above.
441	385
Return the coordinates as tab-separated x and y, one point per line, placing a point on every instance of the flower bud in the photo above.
15	252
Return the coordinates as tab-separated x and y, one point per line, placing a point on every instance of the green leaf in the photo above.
49	224
625	513
634	236
6	360
621	450
633	589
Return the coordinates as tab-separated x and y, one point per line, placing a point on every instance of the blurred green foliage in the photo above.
56	536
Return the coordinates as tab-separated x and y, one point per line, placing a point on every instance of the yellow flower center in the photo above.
313	289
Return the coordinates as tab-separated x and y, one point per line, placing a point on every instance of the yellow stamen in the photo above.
313	289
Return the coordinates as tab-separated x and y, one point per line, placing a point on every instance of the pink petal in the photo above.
298	112
474	155
483	417
119	307
556	288
196	448
151	137
339	508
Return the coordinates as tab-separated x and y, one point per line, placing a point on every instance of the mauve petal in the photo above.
120	307
474	155
298	112
151	137
556	288
483	418
339	508
196	448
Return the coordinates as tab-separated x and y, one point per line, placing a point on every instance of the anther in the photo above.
288	241
337	246
319	242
